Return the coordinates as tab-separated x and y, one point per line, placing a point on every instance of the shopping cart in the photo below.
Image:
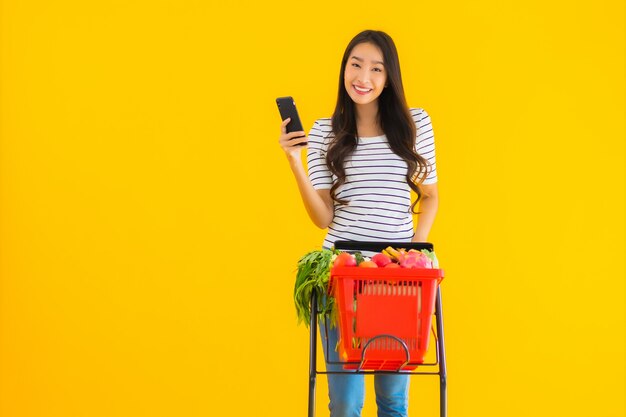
384	320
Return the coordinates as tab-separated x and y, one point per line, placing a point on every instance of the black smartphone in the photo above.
287	108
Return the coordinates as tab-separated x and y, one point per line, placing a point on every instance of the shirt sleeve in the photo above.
319	174
425	143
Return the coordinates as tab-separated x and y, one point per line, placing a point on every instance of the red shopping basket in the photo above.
384	315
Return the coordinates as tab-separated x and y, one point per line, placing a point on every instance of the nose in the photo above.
363	77
362	80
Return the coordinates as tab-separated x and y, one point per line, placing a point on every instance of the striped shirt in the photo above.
379	198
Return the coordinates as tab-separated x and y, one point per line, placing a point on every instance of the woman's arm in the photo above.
318	203
428	210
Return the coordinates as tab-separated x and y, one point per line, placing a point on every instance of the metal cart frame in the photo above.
440	361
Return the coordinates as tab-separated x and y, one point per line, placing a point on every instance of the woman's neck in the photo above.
367	119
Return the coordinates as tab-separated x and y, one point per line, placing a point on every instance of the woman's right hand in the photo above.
292	147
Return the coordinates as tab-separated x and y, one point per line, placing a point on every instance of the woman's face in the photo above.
365	75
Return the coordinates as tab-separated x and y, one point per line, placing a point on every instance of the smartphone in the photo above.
287	108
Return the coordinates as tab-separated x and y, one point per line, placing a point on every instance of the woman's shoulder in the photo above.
323	124
418	113
322	127
319	136
421	119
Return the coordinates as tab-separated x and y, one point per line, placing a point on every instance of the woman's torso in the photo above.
379	198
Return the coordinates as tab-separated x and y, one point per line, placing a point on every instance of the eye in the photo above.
355	65
378	69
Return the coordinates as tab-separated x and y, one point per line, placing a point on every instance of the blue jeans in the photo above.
347	392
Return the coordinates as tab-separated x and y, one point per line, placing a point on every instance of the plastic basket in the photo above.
385	311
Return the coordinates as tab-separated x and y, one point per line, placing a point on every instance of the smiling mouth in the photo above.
361	90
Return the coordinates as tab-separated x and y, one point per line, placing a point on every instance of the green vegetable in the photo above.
430	254
313	275
359	257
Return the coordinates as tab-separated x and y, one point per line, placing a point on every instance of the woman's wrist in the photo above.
420	238
295	162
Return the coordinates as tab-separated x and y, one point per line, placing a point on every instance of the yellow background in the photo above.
150	224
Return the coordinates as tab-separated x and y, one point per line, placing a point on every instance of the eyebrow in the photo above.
361	60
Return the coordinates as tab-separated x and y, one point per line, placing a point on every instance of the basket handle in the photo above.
377	246
389	336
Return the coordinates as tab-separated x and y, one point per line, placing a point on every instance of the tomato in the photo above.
381	259
368	264
344	259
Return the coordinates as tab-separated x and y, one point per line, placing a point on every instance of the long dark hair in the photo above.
393	113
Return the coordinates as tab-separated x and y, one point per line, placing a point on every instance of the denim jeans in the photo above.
347	392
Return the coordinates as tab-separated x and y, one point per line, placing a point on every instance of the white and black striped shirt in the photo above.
378	195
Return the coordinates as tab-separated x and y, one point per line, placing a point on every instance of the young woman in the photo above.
362	165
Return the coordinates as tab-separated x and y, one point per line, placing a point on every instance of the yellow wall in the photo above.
150	224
